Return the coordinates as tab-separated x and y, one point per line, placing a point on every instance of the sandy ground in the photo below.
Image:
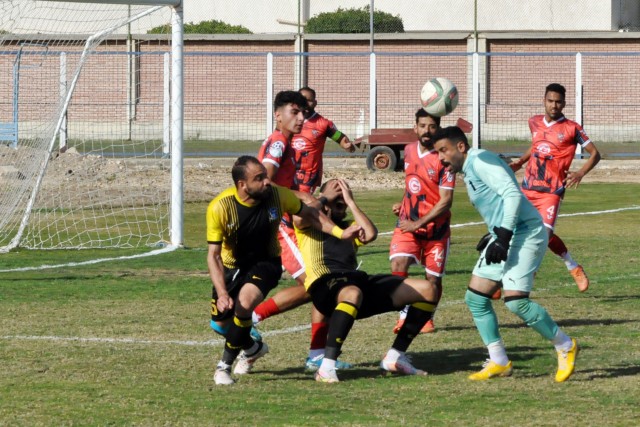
131	181
206	177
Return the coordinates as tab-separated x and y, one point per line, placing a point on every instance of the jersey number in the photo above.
550	212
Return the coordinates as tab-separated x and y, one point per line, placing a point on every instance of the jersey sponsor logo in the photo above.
414	185
276	149
273	214
298	144
543	148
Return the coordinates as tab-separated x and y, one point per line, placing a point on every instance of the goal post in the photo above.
111	185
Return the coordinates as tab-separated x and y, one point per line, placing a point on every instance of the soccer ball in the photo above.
439	96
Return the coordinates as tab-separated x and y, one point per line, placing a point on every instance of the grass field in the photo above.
128	342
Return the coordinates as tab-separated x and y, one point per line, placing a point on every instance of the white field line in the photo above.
467	224
169	248
219	342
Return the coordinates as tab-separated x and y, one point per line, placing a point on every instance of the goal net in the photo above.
86	124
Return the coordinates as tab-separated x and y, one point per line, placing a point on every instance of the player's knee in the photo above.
350	294
477	302
401	264
521	307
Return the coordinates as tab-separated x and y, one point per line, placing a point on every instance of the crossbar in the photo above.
131	2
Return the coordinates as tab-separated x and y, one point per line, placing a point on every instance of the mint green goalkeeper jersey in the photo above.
495	193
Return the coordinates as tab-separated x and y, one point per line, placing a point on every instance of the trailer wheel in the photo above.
382	158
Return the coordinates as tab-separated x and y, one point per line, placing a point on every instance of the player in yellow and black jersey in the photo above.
244	256
341	291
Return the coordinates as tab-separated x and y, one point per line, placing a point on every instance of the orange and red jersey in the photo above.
277	150
553	149
309	146
424	177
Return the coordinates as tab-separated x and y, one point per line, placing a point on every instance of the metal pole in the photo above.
371	27
177	127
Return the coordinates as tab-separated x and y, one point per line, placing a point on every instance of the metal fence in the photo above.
226	93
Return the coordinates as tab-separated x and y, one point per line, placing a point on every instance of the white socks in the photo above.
497	353
568	261
561	341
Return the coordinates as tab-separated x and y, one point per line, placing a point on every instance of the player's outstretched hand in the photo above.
498	250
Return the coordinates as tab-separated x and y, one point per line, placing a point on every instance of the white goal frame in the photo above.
176	226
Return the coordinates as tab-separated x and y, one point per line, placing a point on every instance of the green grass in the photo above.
146	311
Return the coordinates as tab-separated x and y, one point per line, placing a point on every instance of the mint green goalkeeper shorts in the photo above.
525	256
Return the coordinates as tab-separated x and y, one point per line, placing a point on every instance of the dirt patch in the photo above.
133	180
206	178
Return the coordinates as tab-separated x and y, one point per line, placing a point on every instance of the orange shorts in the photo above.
547	204
431	254
291	256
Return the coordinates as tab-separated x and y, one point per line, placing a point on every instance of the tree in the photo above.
354	21
204	27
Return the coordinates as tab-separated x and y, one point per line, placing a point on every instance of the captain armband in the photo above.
337	136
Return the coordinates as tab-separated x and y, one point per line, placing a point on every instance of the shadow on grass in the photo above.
611	372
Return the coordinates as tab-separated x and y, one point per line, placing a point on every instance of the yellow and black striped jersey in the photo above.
248	233
323	253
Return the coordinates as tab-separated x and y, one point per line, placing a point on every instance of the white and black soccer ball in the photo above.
439	96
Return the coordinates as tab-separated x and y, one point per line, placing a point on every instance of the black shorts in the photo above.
376	292
264	274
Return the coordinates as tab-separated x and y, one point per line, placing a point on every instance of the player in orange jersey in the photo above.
547	175
295	161
309	144
422	233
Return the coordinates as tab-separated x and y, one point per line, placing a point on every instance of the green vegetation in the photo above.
354	21
128	342
204	27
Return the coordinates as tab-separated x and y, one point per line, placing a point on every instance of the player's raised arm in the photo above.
369	231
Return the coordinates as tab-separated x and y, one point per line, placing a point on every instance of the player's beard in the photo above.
426	143
261	195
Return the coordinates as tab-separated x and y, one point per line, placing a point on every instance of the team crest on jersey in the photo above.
544	148
449	176
414	185
431	172
298	144
315	132
273	214
276	149
560	136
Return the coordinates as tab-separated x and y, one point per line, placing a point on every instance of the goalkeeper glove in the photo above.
484	241
498	249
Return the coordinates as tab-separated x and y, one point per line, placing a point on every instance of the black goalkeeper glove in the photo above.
498	249
484	241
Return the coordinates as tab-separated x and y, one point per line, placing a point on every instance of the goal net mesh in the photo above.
84	160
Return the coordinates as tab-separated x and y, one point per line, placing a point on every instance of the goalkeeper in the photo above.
512	256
